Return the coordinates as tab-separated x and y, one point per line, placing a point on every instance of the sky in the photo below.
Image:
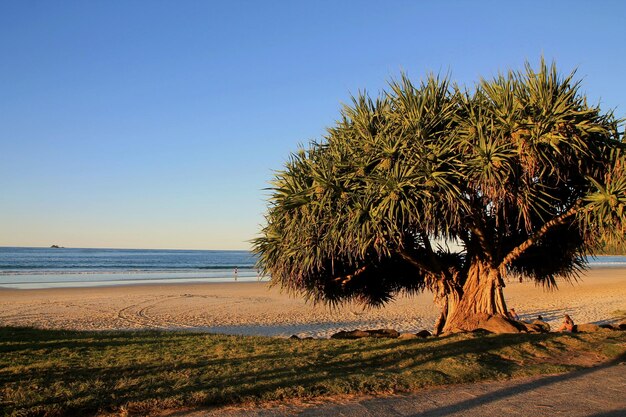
159	124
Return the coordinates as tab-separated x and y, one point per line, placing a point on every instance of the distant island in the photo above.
56	247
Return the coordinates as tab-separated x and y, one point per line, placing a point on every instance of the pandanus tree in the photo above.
440	188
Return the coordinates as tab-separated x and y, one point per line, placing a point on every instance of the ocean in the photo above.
31	268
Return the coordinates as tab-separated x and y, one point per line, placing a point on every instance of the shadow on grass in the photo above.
614	413
90	371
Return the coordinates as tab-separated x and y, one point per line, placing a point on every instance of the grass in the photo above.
47	372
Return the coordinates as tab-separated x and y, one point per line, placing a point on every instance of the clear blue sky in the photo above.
157	124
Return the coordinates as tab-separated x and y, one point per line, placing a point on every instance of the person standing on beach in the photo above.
236	273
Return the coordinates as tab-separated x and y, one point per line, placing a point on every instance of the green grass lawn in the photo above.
45	372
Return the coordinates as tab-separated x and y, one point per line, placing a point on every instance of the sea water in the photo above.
73	267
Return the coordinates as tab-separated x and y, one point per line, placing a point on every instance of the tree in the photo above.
435	187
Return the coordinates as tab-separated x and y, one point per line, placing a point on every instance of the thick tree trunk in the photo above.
481	298
449	302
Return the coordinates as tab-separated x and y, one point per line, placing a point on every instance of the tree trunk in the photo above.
448	295
480	299
449	303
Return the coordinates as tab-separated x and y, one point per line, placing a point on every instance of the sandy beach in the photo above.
254	309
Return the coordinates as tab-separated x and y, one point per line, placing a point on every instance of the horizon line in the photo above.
112	248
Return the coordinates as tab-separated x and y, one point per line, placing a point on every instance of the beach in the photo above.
252	308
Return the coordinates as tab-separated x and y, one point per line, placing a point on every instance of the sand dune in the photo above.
253	309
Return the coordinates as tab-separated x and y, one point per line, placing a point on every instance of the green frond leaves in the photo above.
487	169
605	210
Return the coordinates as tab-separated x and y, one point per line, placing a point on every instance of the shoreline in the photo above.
135	284
171	281
251	308
94	278
70	285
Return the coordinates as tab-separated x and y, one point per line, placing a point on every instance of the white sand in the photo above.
253	309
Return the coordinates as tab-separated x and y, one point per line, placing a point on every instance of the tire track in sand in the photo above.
138	314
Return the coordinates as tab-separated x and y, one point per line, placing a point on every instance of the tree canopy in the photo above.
434	186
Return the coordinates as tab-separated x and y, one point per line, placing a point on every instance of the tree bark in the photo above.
449	304
447	296
481	297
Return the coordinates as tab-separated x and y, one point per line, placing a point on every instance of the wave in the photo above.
93	271
592	264
138	279
107	282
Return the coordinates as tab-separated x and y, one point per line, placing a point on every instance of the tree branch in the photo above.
418	264
478	227
519	250
345	279
431	253
482	241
